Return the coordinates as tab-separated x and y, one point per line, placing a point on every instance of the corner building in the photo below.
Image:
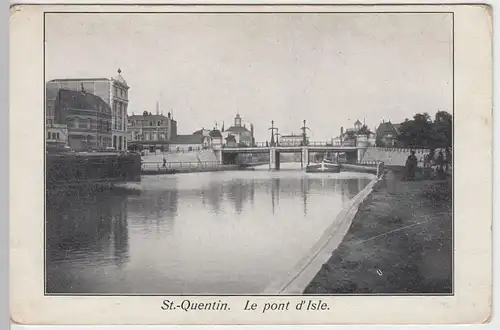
114	91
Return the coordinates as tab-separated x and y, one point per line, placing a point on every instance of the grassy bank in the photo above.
400	241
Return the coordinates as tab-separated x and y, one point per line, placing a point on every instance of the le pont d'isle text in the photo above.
188	305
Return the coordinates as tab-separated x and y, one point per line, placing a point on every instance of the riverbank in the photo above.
400	241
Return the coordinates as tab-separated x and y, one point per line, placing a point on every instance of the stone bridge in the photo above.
227	155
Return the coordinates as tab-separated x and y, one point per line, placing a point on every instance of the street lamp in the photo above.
277	134
304	136
272	128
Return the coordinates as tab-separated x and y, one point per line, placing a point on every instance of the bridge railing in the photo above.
151	166
298	144
369	162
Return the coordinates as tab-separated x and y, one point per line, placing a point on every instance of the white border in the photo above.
476	87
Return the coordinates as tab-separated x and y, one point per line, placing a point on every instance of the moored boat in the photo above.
323	167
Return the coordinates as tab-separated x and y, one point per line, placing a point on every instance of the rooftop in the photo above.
79	79
81	100
237	129
215	133
386	128
188	139
202	131
119	78
148	117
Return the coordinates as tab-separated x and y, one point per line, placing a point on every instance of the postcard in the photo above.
251	164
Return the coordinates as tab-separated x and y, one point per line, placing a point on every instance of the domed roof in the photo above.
120	79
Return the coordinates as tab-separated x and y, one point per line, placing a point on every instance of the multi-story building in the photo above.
150	130
113	91
242	135
387	134
351	136
83	117
57	135
291	140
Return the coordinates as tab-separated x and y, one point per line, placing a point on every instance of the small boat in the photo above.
323	167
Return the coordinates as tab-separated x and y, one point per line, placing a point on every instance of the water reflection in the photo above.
196	233
85	229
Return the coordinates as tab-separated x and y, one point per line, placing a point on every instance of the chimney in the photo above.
157	108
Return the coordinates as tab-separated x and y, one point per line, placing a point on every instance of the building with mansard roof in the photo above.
113	91
84	119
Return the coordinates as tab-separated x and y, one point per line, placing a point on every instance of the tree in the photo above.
423	132
443	125
417	132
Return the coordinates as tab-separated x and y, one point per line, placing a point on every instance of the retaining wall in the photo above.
303	273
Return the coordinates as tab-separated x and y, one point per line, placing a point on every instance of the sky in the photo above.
329	69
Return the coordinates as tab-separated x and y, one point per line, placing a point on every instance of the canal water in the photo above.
229	232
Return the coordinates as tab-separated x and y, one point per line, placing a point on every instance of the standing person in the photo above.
440	162
428	159
447	152
411	166
164	162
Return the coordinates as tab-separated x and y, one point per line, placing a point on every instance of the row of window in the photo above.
89	123
53	136
119	110
149	136
89	138
120	92
141	123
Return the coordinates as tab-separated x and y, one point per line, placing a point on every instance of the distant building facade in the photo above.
56	135
192	142
113	91
83	117
387	134
241	134
352	136
291	140
216	139
231	141
159	133
150	129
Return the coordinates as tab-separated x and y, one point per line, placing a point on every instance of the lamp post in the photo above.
272	128
304	136
277	134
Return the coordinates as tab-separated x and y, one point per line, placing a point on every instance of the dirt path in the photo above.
400	241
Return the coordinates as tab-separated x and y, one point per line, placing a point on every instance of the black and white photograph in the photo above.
217	153
251	164
223	153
